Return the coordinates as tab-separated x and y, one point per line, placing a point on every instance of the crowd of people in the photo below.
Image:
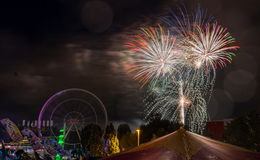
21	154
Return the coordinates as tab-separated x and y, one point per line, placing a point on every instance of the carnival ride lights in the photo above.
71	110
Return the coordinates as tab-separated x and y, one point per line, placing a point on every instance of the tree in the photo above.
112	145
128	141
110	130
111	141
156	127
244	131
91	140
122	130
96	147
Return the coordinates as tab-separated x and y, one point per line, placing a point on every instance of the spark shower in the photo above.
177	61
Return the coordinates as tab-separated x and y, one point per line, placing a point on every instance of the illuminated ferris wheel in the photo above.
71	110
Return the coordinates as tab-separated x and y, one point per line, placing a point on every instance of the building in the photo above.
216	128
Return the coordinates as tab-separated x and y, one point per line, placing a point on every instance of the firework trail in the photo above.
178	103
184	22
179	65
205	44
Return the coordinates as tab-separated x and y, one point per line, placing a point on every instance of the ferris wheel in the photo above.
71	110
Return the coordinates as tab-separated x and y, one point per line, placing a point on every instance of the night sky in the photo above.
50	45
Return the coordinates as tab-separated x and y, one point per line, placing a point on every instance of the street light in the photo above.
138	137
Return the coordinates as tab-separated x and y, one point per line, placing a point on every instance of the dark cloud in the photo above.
78	62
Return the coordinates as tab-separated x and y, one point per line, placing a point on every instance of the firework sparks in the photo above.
210	46
155	54
185	21
188	66
179	102
183	102
206	44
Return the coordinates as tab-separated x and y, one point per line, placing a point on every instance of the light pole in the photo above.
138	137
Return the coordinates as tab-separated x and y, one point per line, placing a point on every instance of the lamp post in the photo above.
138	137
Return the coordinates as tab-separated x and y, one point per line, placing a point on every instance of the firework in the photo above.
210	47
205	44
179	102
183	102
184	22
155	54
182	62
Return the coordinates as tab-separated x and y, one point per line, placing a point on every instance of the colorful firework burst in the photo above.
205	44
182	62
210	47
155	54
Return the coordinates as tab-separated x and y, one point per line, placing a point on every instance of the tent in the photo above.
184	145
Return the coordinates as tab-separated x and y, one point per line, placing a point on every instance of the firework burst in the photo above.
155	54
205	44
210	47
182	62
